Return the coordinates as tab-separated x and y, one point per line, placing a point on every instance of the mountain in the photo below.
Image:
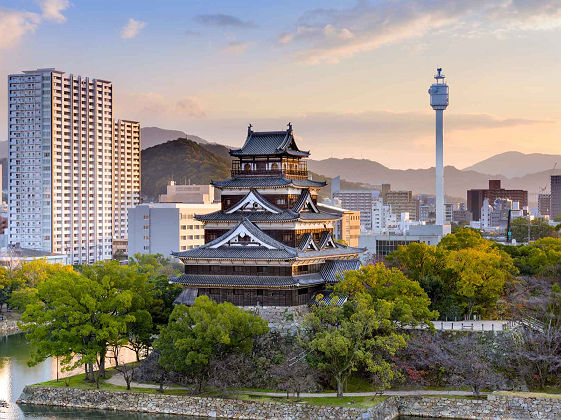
181	160
516	164
184	160
456	182
151	136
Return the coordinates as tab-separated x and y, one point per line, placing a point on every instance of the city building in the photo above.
270	244
402	202
555	208
359	200
160	228
475	197
544	204
448	209
381	245
192	194
347	228
62	183
383	218
126	179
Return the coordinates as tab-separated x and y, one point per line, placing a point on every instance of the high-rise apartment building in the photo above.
359	200
61	164
126	178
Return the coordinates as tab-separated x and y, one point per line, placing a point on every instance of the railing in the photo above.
289	173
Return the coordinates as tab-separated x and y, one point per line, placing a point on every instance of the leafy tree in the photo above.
198	336
159	269
481	277
537	228
409	304
19	284
76	316
462	239
360	334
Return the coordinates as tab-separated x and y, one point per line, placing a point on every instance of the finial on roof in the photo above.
249	129
289	126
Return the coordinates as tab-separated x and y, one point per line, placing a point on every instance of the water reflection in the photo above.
15	374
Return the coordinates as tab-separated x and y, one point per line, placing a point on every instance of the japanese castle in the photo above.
269	245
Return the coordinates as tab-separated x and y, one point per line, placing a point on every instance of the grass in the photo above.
457	397
529	394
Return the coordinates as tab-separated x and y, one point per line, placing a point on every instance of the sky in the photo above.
351	76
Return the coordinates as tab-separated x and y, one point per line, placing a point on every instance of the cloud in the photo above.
329	35
152	106
52	9
132	28
14	24
224	20
236	48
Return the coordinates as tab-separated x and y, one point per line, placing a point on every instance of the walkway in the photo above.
475	326
118	380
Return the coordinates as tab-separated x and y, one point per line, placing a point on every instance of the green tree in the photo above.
480	277
360	334
522	228
76	316
464	238
409	302
200	335
159	269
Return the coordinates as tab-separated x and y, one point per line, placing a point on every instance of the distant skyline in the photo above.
352	77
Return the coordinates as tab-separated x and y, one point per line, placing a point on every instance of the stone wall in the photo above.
9	327
496	406
196	406
285	319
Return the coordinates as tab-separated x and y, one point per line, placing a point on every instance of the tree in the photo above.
536	342
77	316
159	269
19	284
409	302
358	334
462	239
522	229
198	336
481	277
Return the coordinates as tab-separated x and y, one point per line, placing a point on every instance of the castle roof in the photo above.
269	143
257	208
245	241
266	182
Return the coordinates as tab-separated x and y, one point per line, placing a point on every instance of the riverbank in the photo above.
9	324
501	405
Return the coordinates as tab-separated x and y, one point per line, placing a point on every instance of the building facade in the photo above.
61	159
346	229
160	228
269	244
555	195
402	202
544	204
475	197
193	194
126	178
359	200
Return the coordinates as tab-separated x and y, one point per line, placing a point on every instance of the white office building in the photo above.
160	228
61	164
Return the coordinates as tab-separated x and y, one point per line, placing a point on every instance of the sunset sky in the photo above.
352	76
